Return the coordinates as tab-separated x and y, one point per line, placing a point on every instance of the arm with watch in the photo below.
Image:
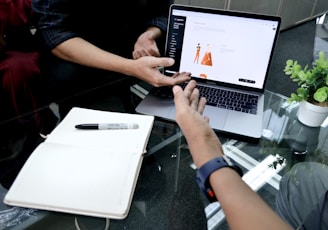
217	176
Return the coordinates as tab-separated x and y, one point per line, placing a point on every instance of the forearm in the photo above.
203	143
79	51
243	208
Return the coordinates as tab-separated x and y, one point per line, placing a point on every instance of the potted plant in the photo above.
313	89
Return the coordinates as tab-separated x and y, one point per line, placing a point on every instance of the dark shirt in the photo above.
318	217
111	25
16	20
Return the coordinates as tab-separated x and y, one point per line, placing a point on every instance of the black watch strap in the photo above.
208	168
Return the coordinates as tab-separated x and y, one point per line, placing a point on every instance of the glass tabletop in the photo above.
167	195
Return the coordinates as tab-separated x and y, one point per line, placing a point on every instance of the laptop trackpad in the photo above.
217	117
160	107
244	124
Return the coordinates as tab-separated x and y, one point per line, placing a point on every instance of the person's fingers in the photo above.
201	105
179	97
138	54
170	81
154	52
194	99
177	74
176	90
181	78
188	90
141	53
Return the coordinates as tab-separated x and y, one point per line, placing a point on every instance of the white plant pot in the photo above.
311	115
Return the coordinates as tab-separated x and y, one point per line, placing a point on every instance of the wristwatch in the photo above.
208	168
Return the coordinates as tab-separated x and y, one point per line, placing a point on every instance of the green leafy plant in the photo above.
313	82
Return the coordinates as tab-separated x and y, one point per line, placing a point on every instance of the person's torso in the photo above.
112	25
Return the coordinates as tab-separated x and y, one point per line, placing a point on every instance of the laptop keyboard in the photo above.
228	99
221	98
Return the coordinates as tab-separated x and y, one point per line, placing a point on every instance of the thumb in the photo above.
176	89
179	97
164	61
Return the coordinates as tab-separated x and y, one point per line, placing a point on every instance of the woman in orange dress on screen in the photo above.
207	59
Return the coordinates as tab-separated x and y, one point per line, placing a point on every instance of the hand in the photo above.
146	69
203	143
146	44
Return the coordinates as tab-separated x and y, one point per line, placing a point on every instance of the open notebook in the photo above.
86	172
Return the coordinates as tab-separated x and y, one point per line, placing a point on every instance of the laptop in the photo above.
223	50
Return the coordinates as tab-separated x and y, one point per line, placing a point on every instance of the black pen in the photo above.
102	126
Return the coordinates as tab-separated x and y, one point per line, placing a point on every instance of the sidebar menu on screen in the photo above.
174	42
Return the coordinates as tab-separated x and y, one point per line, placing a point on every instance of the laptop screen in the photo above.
221	46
